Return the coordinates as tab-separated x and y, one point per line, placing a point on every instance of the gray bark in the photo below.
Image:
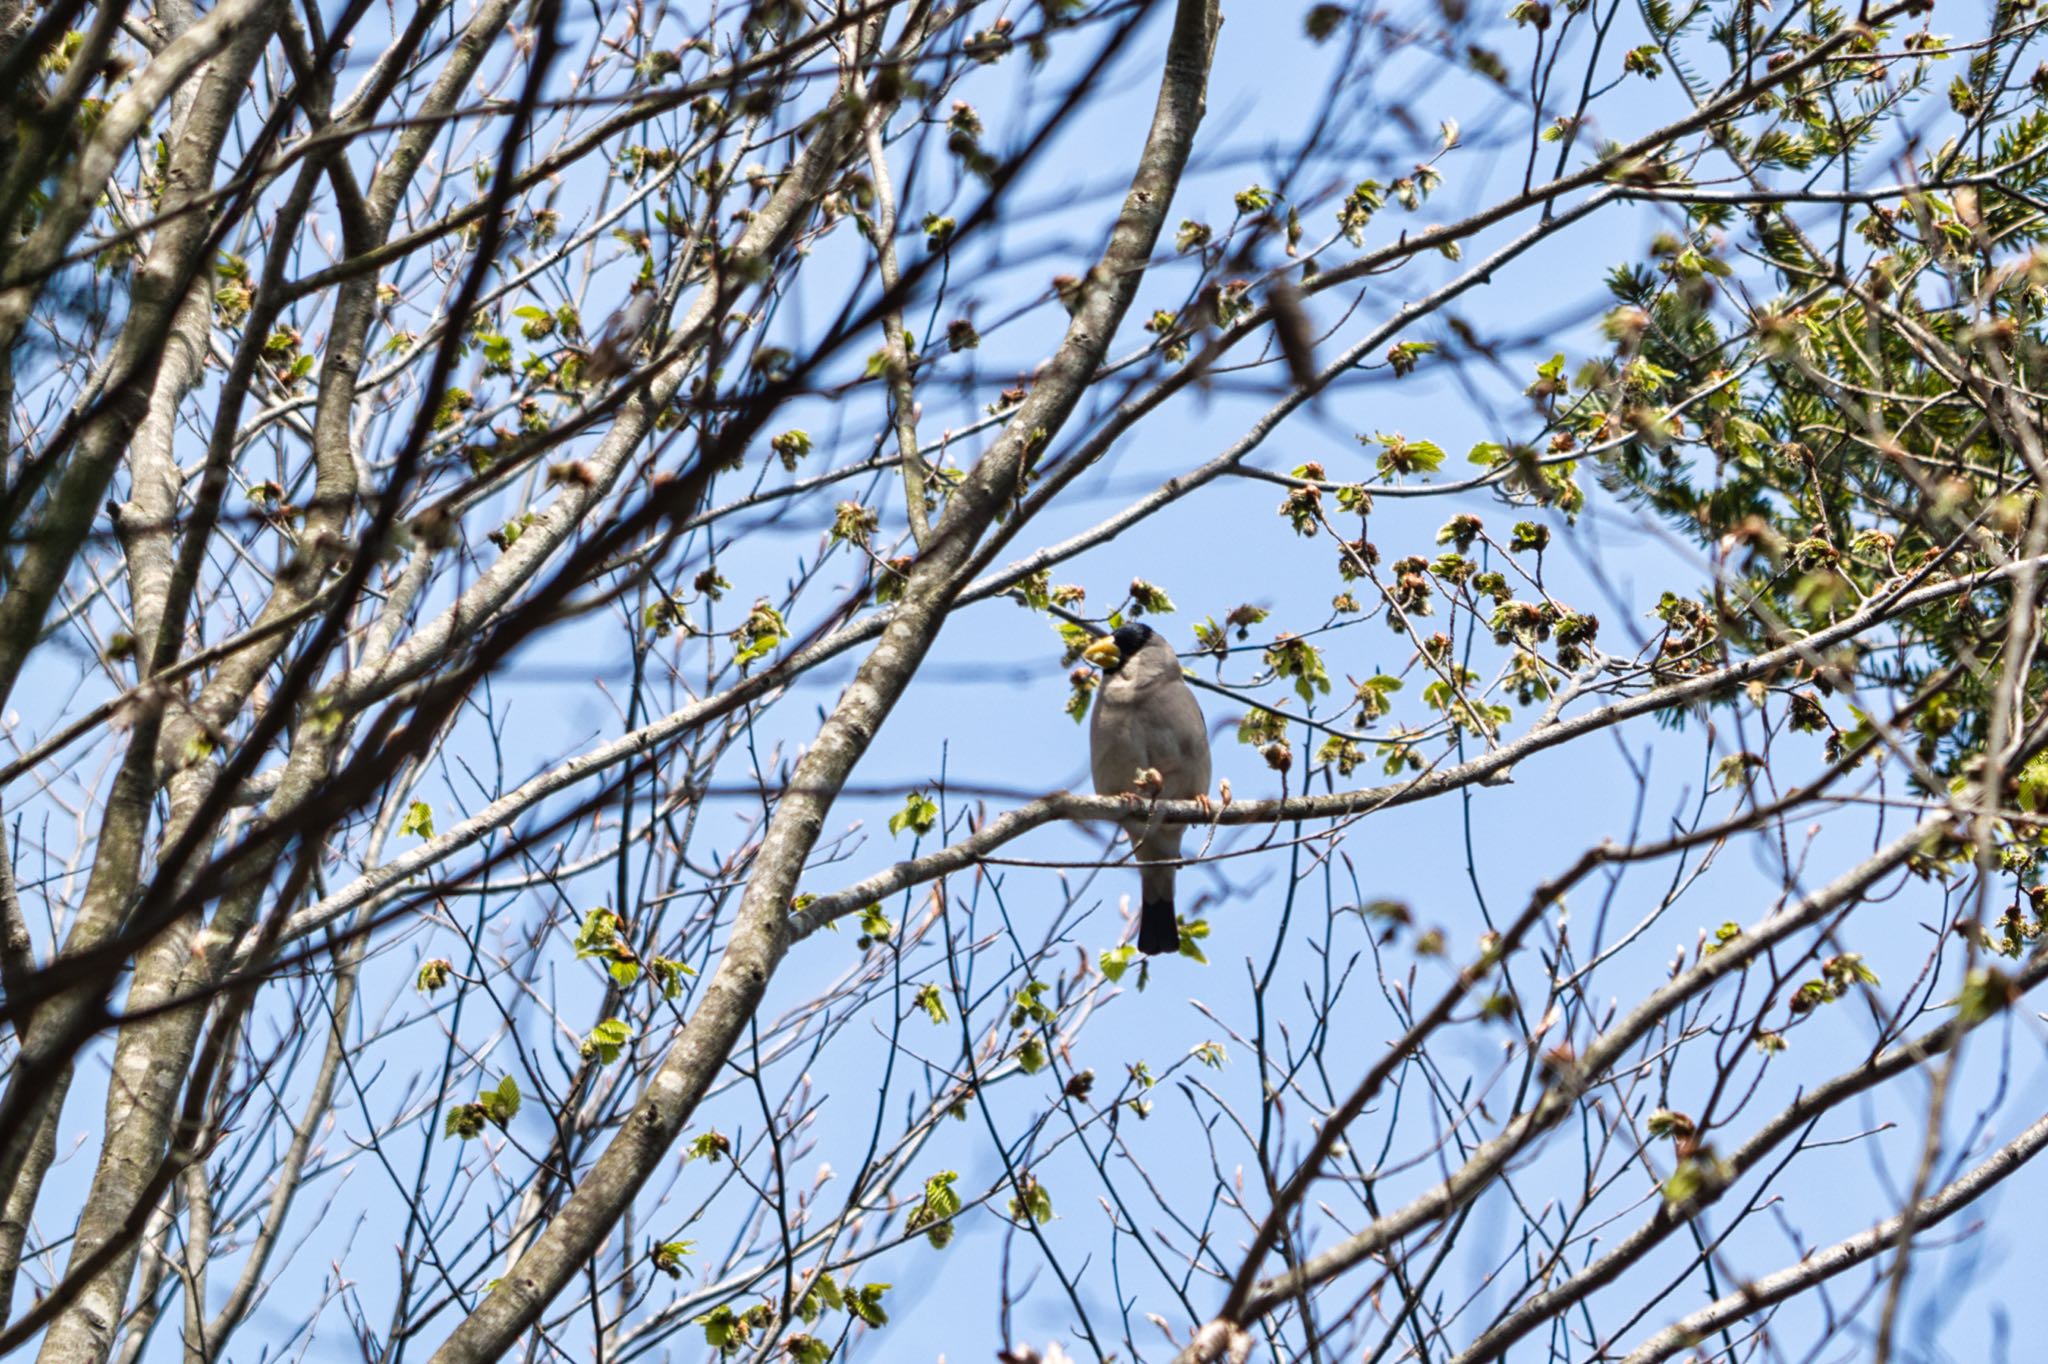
760	936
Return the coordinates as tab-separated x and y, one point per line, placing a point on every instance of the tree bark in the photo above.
760	936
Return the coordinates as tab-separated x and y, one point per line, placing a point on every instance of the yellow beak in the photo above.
1103	653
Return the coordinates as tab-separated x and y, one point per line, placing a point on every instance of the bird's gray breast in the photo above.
1157	725
1116	744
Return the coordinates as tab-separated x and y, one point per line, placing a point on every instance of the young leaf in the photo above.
867	1304
917	815
1033	1202
668	1257
607	1040
418	821
713	1146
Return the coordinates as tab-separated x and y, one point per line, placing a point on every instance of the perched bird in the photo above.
613	353
1148	740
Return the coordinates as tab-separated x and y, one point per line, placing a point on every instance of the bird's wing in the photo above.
1180	740
613	353
631	320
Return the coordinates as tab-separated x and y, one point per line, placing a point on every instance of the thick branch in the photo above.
760	937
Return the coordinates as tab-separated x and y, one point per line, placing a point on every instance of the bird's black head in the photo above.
1132	638
1111	652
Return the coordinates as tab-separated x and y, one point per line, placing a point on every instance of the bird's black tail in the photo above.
1158	929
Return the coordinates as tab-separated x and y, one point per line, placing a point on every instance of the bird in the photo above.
1148	739
613	353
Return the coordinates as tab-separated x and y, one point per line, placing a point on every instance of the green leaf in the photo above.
854	524
2033	784
501	1104
1737	770
492	1106
867	1304
1401	456
933	1002
497	353
1375	697
808	1349
454	402
1702	1173
668	975
668	1257
1083	682
940	1203
1032	1203
759	635
1031	1055
607	1040
1406	355
712	1145
1292	656
790	447
1460	531
465	1121
1027	1007
1986	991
599	933
724	1329
1145	597
1670	1124
508	534
419	820
1035	590
917	815
1342	752
1117	960
875	926
1367	197
1074	638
